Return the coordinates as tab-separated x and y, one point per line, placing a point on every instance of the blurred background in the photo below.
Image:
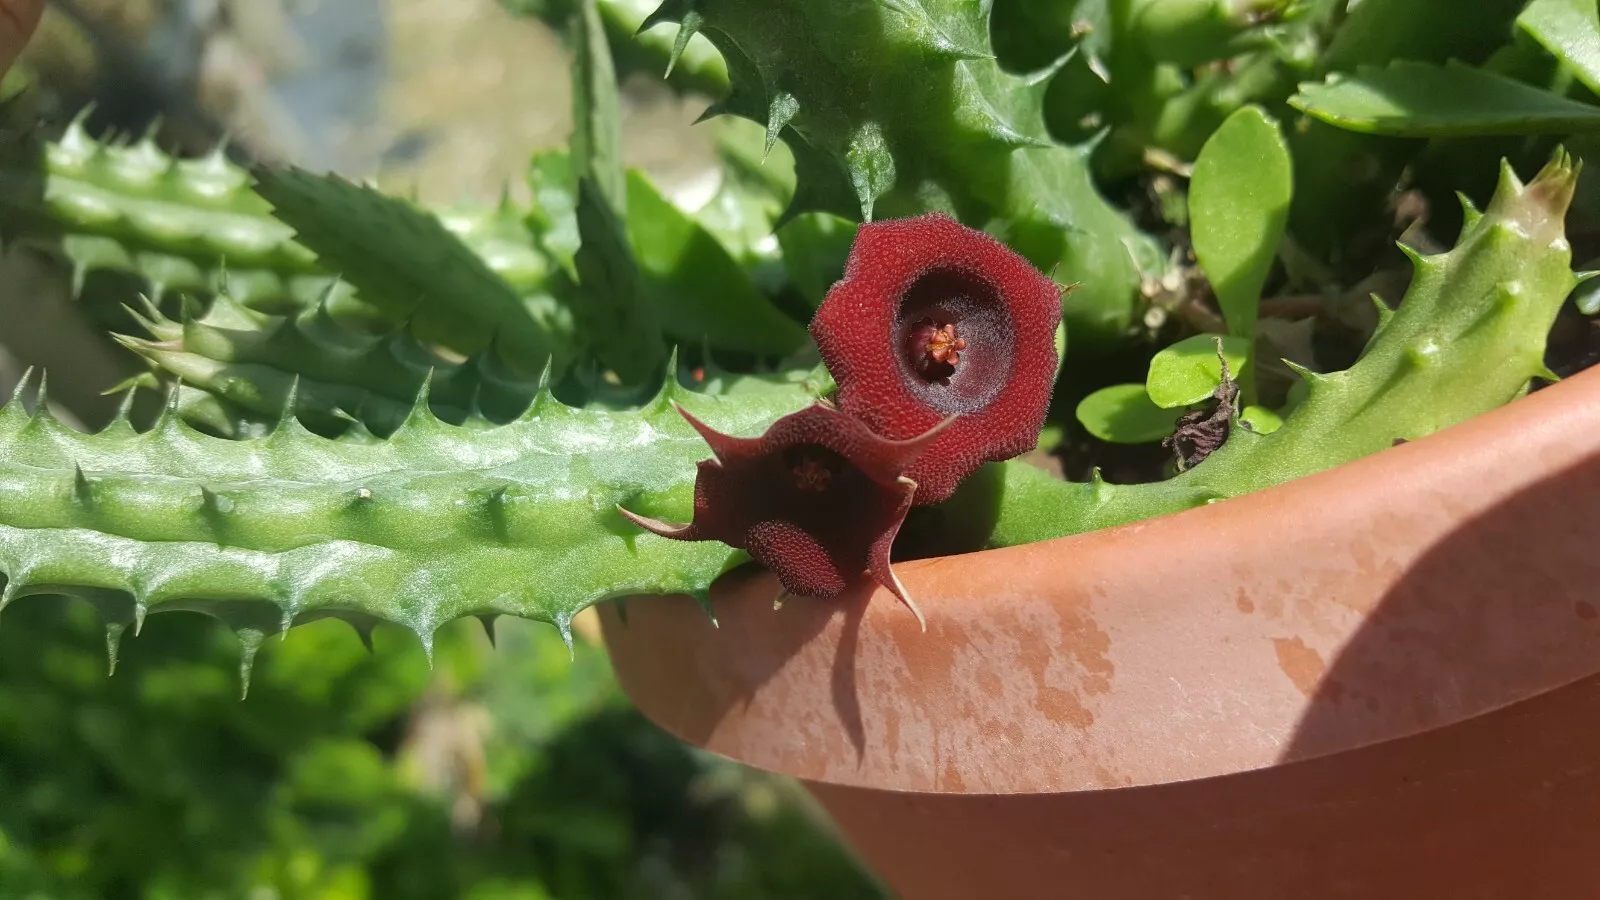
507	770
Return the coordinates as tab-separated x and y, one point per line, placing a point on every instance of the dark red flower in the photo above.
817	499
934	319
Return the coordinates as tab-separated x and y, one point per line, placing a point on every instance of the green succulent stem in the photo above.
897	108
1468	337
433	524
198	225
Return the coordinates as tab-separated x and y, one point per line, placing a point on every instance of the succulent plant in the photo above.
471	419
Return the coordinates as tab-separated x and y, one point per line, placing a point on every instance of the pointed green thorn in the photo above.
719	108
41	400
141	609
1385	313
169	419
1470	214
544	374
14	585
1040	76
669	11
149	312
114	632
426	637
76	139
1098	487
215	502
82	491
563	624
780	112
22	385
363	633
1309	376
125	407
224	284
1419	262
703	599
542	396
291	404
662	401
151	130
870	165
488	628
80	278
687	28
1088	146
249	644
420	406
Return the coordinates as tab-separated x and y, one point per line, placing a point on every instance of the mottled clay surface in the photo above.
1398	656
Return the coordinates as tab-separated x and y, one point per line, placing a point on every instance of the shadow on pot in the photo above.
1451	749
1385	688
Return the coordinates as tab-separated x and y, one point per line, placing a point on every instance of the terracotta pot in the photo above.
1379	681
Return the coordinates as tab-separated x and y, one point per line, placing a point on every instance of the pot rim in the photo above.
1248	634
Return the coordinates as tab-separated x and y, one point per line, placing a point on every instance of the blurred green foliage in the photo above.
502	773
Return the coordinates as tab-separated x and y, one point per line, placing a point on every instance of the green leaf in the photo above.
1412	99
1189	371
596	120
815	246
256	363
1188	33
702	292
1238	204
1124	414
1260	419
1570	30
1469	335
623	325
403	260
1377	31
554	215
897	108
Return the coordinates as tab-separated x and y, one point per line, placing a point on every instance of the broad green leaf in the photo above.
700	289
1412	99
596	121
1570	30
1587	296
1376	31
1260	419
1481	352
1124	414
624	326
1189	371
1238	204
554	216
815	246
404	261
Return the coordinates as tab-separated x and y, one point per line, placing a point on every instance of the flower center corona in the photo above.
936	349
812	475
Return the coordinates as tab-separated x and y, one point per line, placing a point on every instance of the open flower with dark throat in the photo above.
933	319
818	499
